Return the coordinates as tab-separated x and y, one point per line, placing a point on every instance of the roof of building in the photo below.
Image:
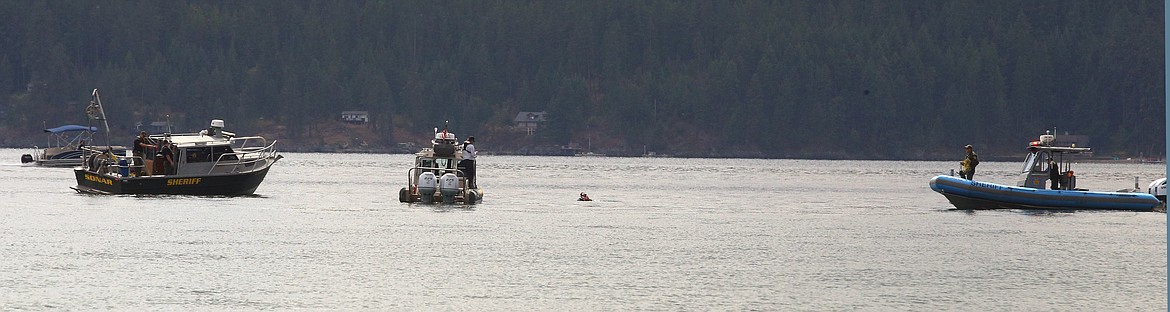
529	116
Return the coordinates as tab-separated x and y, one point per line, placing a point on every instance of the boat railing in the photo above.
90	156
248	144
245	156
102	161
136	164
242	142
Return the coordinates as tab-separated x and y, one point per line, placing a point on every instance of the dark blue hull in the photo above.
967	194
235	184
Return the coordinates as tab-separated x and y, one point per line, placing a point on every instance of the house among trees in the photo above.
355	117
154	127
529	121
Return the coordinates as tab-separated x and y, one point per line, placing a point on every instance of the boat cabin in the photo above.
1043	159
443	156
209	154
195	154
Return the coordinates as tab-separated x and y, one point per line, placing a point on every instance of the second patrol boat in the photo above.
436	175
211	162
1030	192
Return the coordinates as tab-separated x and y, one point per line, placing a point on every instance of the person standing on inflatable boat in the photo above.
468	162
968	164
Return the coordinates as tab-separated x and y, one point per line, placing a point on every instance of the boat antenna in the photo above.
96	112
445	123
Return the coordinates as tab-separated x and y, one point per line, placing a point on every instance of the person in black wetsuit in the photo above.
168	157
1054	173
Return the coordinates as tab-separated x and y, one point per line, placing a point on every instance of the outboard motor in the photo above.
1158	189
26	158
449	187
426	187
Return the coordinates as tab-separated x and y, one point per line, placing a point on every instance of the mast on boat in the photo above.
96	112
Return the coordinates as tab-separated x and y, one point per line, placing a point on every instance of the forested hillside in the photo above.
809	79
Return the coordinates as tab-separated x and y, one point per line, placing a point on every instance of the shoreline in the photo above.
546	151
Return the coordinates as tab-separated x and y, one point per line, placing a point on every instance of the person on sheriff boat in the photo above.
142	145
967	166
468	162
1054	173
168	157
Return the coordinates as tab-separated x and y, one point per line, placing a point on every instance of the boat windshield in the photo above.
1037	162
1029	162
439	163
443	163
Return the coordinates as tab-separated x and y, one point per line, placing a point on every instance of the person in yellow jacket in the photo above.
967	166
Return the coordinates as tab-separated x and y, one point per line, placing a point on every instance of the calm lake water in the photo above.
326	232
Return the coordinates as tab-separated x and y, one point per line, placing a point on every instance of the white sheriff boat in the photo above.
436	176
211	162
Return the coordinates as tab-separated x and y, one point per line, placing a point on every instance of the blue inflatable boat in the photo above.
1041	167
967	194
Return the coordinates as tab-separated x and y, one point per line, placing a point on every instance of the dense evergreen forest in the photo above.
804	79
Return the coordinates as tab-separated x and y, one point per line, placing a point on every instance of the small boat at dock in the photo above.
63	147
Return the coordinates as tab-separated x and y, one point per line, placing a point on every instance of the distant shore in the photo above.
544	150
